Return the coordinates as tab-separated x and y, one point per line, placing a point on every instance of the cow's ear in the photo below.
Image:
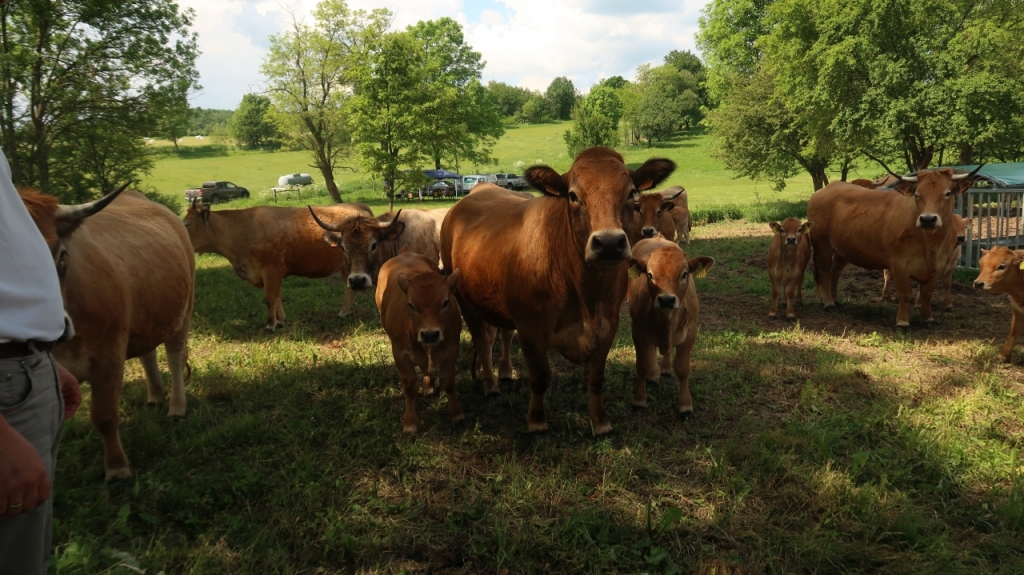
984	251
652	173
333	240
453	279
775	226
699	266
806	226
667	205
392	232
639	265
905	188
547	180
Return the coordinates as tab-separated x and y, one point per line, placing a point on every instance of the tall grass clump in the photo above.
775	211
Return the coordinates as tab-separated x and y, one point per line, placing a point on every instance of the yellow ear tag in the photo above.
1022	265
700	272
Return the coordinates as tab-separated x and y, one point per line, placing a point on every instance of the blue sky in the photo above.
524	42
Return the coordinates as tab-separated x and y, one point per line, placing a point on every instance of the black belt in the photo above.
12	349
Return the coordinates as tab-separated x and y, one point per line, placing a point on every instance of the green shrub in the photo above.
712	214
173	203
776	211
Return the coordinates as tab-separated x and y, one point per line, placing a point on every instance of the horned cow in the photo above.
553	267
127	275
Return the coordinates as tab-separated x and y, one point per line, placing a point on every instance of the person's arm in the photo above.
23	481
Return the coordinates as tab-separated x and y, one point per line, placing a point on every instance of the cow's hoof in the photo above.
269	329
410	429
771	316
532	427
343	315
903	329
687	415
832	308
602	429
154	400
176	411
948	308
493	393
791	318
114	474
653	382
667	375
279	325
639	406
506	381
459	420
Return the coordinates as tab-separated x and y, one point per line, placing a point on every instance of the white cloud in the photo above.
524	42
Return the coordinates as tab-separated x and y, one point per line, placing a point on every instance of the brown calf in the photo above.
651	215
1000	272
664	307
960	225
422	321
266	244
127	276
680	213
552	267
788	255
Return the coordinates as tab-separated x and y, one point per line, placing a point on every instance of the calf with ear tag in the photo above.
664	307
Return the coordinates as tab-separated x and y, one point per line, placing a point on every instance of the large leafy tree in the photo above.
252	124
309	81
507	99
81	83
386	114
464	122
562	96
591	125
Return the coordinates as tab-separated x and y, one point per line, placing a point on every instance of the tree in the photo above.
590	127
536	110
173	114
686	61
507	99
605	101
252	125
87	68
308	81
465	123
615	83
562	97
209	121
386	112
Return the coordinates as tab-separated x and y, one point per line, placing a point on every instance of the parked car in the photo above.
469	181
515	182
497	179
214	192
442	189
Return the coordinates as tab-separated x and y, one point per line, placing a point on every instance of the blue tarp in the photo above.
1001	175
441	175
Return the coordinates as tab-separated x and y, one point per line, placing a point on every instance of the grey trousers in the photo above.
31	402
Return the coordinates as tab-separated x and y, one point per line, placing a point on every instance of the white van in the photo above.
469	181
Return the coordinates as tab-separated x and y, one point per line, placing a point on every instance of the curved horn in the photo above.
390	222
675	195
81	211
970	175
908	179
321	223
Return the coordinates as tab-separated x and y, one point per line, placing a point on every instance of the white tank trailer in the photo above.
302	179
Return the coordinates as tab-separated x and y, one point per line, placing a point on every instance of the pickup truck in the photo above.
214	192
515	182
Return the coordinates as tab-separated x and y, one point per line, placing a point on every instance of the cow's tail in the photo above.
188	369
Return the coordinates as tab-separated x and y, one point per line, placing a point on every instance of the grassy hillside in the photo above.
706	180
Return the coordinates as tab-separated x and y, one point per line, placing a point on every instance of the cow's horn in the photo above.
970	175
390	222
908	179
80	211
321	223
675	195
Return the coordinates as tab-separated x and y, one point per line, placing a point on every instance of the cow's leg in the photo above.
823	272
682	365
593	371
272	297
410	387
773	309
346	306
665	365
1016	323
903	292
177	360
491	332
646	364
505	365
838	265
924	300
536	356
154	381
448	369
792	284
947	290
105	379
479	331
886	283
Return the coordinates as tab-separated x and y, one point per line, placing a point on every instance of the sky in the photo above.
524	43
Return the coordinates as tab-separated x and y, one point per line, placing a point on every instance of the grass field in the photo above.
833	445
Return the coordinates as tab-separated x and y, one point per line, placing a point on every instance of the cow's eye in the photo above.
373	246
637	207
684	275
573	197
411	307
650	276
444	304
1001	267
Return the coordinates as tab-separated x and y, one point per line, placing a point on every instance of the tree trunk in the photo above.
966	154
820	179
389	190
919	154
175	141
845	172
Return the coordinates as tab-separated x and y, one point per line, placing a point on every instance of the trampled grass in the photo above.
832	445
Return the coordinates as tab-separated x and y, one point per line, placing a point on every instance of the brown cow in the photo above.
788	255
553	267
680	213
877	229
368	242
266	244
1000	271
127	276
423	325
663	305
960	226
651	215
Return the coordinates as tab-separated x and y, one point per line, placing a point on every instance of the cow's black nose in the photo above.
648	232
610	245
979	284
790	240
430	335
960	239
357	281
666	301
928	221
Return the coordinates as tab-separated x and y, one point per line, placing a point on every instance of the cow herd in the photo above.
554	268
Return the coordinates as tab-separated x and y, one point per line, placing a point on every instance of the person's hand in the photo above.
69	389
23	482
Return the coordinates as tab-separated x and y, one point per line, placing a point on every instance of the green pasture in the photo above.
830	445
707	182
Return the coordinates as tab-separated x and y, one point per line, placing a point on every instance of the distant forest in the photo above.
207	121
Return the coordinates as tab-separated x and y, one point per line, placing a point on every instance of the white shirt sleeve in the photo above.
31	307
